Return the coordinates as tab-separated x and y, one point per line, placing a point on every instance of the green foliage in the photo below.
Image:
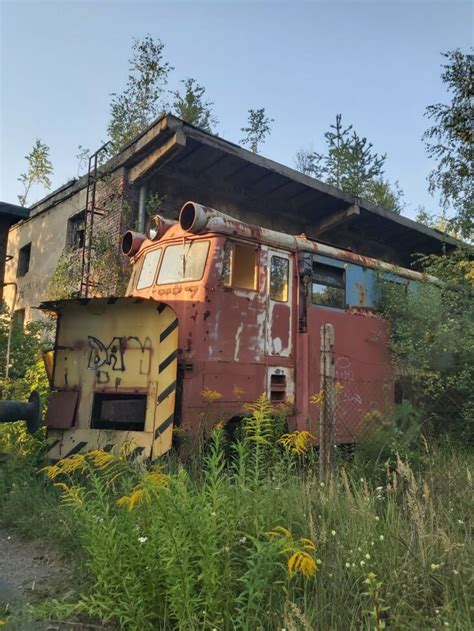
388	196
153	204
66	279
449	142
191	106
350	164
195	551
108	269
432	339
39	170
257	130
26	346
387	439
140	102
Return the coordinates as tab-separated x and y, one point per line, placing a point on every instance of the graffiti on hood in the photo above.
102	355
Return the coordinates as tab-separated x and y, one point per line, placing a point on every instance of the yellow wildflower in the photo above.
299	551
101	459
77	462
211	396
51	471
318	399
130	501
237	392
296	442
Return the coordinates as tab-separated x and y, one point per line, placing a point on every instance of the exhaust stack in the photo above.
195	217
131	242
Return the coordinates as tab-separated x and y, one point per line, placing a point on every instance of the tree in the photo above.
39	170
351	165
349	162
449	142
191	107
388	196
139	104
259	127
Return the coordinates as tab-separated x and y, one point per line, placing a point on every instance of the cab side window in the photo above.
240	266
279	279
328	286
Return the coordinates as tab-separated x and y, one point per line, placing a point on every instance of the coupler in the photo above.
11	411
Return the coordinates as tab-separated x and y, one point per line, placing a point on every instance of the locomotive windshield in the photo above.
183	262
179	263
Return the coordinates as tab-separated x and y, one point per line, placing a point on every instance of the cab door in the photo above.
279	312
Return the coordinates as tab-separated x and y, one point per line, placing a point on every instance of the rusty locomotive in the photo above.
215	304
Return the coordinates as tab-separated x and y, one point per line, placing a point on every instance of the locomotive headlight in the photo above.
154	228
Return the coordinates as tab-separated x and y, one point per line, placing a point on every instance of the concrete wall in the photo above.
46	231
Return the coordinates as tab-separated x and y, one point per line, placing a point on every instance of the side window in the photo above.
328	288
75	232
24	260
147	273
279	268
240	266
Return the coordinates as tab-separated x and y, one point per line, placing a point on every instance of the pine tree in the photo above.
191	107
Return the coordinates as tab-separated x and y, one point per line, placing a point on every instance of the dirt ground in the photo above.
29	573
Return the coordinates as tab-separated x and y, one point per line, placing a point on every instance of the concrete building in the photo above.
177	162
9	214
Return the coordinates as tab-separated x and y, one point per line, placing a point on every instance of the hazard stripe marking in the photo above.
169	329
53	444
166	392
75	449
161	307
166	362
164	426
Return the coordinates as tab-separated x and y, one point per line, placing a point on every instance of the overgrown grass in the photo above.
228	542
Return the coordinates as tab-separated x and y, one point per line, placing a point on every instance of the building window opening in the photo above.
24	260
76	232
277	388
328	288
149	267
183	263
119	411
240	266
279	268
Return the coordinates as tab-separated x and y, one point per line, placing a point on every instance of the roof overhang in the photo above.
13	212
180	150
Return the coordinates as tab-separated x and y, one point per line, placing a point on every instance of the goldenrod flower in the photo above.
237	392
51	471
296	442
318	399
101	459
77	462
300	552
211	396
152	480
130	501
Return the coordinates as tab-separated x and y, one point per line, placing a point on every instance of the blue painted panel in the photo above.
361	282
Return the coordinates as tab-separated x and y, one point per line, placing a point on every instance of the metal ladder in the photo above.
90	212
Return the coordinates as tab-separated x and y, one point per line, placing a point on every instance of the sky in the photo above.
378	63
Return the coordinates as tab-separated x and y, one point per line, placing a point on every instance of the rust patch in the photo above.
361	294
